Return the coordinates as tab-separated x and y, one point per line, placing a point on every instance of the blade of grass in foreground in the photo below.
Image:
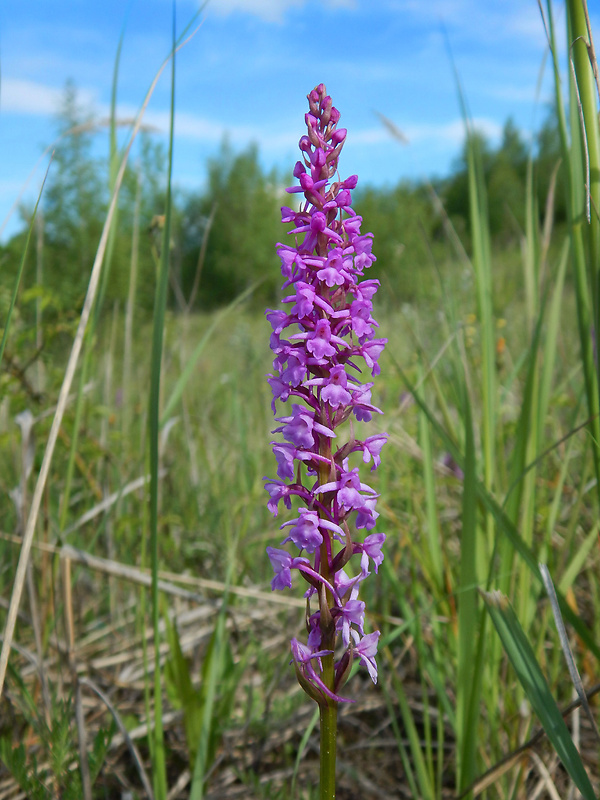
301	748
581	158
530	675
482	267
212	673
113	169
435	560
160	302
468	618
568	653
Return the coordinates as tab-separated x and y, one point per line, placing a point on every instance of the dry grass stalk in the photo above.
84	766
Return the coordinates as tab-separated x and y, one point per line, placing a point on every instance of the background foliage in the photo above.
238	211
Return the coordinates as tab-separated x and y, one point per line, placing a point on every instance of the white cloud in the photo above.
10	188
487	21
447	10
369	136
29	97
189	126
516	94
270	10
452	133
447	136
36	99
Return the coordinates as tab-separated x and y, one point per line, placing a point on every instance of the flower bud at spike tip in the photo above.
323	344
338	136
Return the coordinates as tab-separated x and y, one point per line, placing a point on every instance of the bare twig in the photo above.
142	577
109	501
545	782
124	733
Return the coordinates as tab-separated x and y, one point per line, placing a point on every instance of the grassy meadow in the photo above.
144	654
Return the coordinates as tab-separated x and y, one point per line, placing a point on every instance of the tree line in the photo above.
223	235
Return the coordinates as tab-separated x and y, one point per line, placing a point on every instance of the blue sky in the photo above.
248	69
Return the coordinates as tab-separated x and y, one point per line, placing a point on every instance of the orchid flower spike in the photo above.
323	339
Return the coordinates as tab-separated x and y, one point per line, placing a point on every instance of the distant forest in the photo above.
223	237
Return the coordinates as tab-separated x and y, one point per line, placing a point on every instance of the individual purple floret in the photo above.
323	340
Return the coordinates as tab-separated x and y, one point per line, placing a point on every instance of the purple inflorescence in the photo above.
323	339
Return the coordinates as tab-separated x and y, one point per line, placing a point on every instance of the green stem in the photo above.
328	713
327	707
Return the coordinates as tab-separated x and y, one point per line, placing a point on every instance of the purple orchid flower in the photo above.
322	343
366	649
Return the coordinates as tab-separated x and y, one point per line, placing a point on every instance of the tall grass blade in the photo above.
113	166
130	306
526	428
579	558
70	468
482	266
112	177
564	643
212	671
581	155
468	617
432	528
301	748
585	89
483	270
530	675
160	304
551	338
